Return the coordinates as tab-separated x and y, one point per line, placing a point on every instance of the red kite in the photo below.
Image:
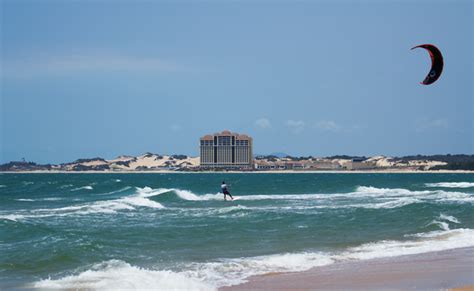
436	63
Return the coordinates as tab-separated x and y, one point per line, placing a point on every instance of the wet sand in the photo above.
430	271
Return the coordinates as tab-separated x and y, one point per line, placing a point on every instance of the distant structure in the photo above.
359	164
226	150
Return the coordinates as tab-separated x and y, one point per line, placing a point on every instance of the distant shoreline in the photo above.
155	163
249	172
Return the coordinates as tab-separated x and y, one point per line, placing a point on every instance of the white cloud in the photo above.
328	125
427	124
263	123
296	126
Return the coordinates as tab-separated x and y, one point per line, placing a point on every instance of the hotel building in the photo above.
226	150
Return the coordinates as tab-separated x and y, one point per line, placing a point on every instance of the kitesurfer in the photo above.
225	191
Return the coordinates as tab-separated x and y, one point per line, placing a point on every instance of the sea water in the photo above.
175	231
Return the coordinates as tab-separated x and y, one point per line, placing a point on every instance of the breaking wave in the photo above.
449	218
116	274
42	199
451	184
364	197
226	272
443	221
138	199
83	188
116	191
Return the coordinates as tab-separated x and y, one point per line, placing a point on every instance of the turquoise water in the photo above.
175	230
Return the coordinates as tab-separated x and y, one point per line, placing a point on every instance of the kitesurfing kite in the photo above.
436	63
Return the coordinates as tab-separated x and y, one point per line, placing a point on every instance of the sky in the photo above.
82	79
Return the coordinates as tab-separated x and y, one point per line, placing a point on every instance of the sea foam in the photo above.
451	184
116	274
89	187
226	272
364	197
139	199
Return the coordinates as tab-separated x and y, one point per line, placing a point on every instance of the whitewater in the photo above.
175	231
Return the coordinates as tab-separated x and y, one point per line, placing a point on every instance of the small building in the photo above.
324	165
359	164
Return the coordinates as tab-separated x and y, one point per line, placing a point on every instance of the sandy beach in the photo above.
429	271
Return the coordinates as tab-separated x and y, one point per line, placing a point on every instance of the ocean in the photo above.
175	231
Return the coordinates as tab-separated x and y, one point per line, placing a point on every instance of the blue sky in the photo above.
104	78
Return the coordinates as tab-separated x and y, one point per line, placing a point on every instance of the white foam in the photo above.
12	217
377	192
384	205
225	272
3	186
448	218
43	199
426	242
434	196
442	196
188	195
141	201
107	206
362	192
125	203
116	191
235	271
150	192
83	188
443	225
283	197
232	208
451	184
16	217
138	199
118	180
115	274
363	197
52	199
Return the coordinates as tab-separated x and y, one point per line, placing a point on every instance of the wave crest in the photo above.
451	184
116	274
225	272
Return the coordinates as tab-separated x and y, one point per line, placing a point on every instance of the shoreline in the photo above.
247	172
443	270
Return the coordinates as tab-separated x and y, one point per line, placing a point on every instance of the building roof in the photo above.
207	137
227	133
243	137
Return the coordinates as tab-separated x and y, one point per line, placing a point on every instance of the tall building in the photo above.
226	150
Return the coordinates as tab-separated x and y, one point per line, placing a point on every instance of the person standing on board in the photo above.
225	191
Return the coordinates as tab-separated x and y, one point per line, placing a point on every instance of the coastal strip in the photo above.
243	172
428	271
